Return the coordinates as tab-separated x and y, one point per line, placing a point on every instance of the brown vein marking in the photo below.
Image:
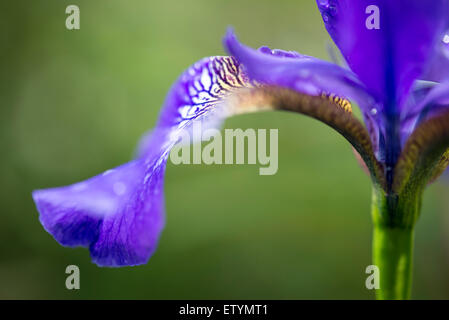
425	154
321	108
229	67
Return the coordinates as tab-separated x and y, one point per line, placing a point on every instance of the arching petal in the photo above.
119	214
298	72
307	75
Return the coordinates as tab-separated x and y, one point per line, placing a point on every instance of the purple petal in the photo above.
116	214
435	100
302	73
119	214
390	58
307	75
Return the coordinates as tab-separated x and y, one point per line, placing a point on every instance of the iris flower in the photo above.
396	72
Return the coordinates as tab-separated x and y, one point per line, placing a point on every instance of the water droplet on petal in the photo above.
373	111
446	39
108	172
265	49
79	186
304	73
119	188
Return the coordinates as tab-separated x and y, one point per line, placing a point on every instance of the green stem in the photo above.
392	254
394	217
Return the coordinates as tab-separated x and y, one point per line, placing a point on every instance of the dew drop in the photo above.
304	73
265	49
119	188
446	39
373	111
79	186
108	172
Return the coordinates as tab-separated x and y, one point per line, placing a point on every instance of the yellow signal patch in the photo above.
344	103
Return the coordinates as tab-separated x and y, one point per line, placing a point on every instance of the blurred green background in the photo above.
74	103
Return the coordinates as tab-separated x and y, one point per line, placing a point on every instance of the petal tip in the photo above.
230	41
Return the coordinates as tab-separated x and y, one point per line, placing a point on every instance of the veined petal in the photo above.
389	57
115	214
119	214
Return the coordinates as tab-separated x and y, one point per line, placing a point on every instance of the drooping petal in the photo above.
388	54
119	214
115	214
